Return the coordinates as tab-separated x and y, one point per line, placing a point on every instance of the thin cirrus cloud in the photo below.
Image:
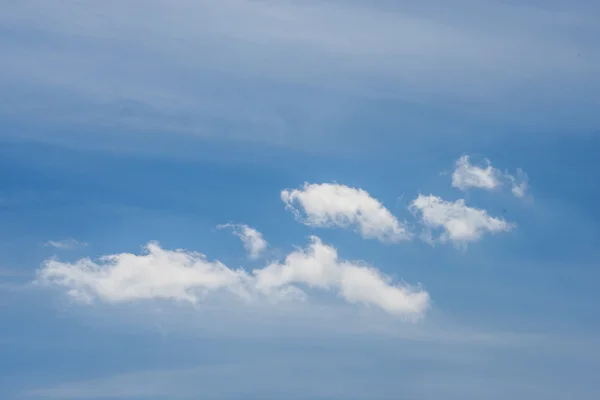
467	175
253	240
335	205
459	223
415	48
67	244
186	276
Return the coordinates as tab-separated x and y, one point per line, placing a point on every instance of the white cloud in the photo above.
460	223
319	266
176	275
335	205
189	277
467	175
67	244
253	241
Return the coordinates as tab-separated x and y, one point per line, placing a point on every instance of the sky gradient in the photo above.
258	199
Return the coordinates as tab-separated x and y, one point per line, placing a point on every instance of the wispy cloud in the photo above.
186	276
336	205
427	53
253	240
519	183
67	244
459	223
349	369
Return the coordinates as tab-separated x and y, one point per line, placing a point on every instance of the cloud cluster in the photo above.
186	276
467	175
335	205
189	277
253	240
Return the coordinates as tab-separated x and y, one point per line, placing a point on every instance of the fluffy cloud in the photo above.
335	205
156	274
318	266
253	240
67	244
460	223
188	276
467	175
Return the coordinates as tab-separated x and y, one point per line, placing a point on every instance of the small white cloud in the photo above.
467	175
188	276
67	244
335	205
460	223
253	240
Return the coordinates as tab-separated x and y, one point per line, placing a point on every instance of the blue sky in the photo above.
409	193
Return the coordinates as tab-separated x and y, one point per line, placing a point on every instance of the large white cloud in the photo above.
157	274
459	223
253	240
188	276
336	205
467	175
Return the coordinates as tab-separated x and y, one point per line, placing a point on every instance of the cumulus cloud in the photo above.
156	274
336	205
181	275
467	175
253	240
459	223
67	244
318	266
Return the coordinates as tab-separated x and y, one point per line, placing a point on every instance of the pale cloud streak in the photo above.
67	244
197	56
459	223
185	276
335	205
520	183
253	240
